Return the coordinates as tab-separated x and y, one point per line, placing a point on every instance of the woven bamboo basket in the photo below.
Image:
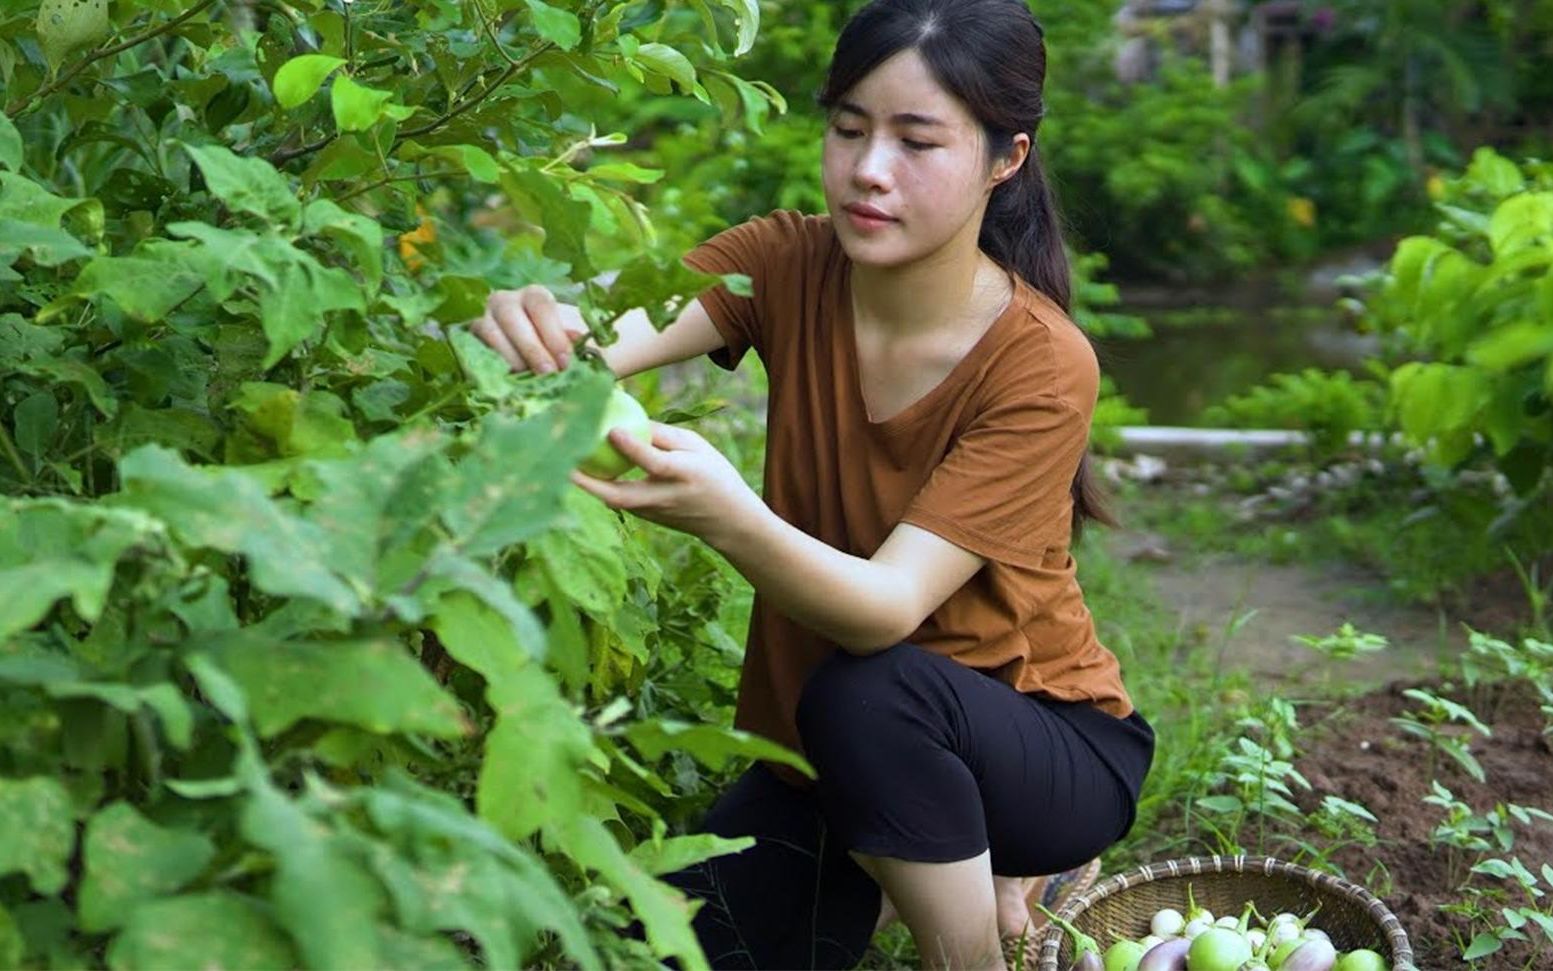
1123	905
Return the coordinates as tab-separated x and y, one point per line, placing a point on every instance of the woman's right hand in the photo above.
527	328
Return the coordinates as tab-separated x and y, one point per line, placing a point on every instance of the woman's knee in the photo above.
845	686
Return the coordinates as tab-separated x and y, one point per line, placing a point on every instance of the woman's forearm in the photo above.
859	604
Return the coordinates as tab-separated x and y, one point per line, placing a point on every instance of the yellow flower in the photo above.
410	243
1435	187
1302	211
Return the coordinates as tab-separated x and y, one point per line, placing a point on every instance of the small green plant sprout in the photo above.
1259	786
1490	664
1432	722
1346	644
1531	922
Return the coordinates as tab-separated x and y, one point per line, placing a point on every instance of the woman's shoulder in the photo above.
1045	352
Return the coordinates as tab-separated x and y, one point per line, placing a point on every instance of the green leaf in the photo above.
323	896
489	372
130	861
47	246
361	237
712	745
299	78
546	203
669	62
36	418
148	286
356	108
660	856
64	25
250	185
508	488
38	821
663	911
559	27
50	549
373	684
230	511
748	14
502	895
11	154
583	555
1482	946
177	933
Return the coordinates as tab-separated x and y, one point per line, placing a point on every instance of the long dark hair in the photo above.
991	55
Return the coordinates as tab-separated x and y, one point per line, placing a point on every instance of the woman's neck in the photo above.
941	291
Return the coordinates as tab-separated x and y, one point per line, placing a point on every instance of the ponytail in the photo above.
1022	230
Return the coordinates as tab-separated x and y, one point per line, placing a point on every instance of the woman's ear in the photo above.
1015	159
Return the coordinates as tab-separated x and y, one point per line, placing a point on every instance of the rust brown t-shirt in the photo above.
985	459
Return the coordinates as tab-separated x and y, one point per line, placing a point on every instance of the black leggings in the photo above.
919	758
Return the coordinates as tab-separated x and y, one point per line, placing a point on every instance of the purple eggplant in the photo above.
1166	956
1088	961
1316	954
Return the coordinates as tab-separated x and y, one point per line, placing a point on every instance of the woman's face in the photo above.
902	144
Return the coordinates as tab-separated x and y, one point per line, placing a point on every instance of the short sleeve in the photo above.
763	248
1004	490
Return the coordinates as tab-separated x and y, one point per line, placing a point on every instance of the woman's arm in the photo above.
865	606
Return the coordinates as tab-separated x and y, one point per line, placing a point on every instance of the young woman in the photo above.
917	629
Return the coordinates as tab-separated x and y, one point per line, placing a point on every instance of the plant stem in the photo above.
31	101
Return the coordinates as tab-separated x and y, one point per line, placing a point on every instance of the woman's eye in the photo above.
847	132
918	146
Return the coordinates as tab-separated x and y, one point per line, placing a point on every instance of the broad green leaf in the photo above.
675	853
533	755
359	507
1482	946
429	953
299	78
288	313
712	745
489	372
664	911
373	684
1524	220
446	572
1496	174
1513	345
64	25
147	286
546	203
250	185
38	821
625	172
164	699
748	14
178	933
358	235
583	555
559	27
46	245
13	945
323	896
130	861
51	549
504	897
229	511
11	154
37	418
669	62
508	488
356	108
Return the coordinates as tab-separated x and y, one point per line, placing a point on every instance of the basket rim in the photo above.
1396	937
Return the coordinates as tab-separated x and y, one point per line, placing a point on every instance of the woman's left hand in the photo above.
690	486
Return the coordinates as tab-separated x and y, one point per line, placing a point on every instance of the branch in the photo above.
411	177
28	102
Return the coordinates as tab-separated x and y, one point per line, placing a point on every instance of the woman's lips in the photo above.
868	223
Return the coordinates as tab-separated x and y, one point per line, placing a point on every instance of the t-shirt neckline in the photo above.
951	381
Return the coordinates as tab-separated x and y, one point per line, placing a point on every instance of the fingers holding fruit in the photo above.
690	486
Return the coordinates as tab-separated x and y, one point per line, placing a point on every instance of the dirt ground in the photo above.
1354	750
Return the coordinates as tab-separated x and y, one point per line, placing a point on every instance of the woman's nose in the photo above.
873	166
